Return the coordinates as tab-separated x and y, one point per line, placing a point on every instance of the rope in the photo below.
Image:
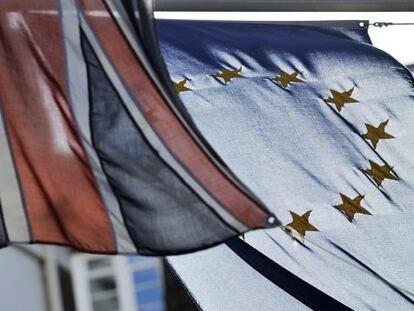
386	24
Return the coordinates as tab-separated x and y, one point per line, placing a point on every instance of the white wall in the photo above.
22	286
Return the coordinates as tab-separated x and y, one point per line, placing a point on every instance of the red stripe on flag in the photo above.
62	201
163	120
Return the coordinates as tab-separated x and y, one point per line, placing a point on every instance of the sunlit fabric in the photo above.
317	122
303	129
93	152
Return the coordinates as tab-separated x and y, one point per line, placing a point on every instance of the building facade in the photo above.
51	278
117	283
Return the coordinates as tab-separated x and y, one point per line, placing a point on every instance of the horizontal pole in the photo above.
285	5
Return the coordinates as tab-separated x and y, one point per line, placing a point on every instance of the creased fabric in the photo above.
150	194
318	124
53	175
94	153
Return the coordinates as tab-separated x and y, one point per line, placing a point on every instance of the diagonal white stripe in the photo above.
14	213
78	89
151	136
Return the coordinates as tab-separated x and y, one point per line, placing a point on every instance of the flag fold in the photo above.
317	123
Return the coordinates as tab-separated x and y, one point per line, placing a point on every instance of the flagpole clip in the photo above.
381	24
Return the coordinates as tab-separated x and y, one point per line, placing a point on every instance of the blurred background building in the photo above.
52	278
118	283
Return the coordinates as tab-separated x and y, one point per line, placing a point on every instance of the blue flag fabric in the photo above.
317	122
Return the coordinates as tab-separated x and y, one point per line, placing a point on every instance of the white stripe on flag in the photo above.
78	89
12	205
150	134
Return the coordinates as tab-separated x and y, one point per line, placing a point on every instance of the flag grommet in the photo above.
271	221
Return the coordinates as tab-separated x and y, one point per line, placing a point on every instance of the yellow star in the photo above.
379	172
374	134
181	87
286	79
340	99
227	75
301	223
351	206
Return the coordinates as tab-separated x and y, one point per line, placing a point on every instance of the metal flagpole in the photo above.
285	5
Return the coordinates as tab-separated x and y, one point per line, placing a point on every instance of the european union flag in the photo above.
317	122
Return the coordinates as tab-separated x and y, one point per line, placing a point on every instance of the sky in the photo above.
396	40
